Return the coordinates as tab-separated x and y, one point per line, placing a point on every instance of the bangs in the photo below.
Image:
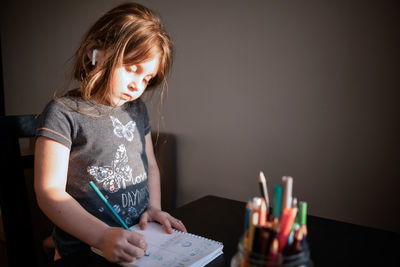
145	49
140	51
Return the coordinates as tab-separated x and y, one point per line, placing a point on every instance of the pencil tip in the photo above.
261	177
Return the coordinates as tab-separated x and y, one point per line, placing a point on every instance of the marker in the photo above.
287	183
277	201
303	216
294	203
101	196
296	224
263	187
303	212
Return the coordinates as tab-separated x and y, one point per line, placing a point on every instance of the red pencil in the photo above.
287	219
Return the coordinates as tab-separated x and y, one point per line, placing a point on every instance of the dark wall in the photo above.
303	88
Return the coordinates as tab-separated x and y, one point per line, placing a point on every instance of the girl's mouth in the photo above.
126	97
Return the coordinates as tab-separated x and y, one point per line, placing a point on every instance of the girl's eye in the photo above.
132	68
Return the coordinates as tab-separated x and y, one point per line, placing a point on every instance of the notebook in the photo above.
176	249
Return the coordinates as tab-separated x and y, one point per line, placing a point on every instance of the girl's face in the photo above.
129	82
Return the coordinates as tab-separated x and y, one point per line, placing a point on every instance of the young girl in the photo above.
100	132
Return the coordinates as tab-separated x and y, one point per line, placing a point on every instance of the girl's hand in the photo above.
154	214
120	245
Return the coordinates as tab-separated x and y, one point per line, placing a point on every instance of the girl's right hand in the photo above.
120	245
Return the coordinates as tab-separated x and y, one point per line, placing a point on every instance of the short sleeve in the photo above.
146	120
56	122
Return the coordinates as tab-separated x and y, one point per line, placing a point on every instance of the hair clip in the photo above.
94	57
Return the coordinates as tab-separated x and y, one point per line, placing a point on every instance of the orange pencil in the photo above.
263	213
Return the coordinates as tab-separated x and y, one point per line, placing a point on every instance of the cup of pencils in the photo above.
275	233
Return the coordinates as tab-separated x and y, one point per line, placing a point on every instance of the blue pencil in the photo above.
247	215
108	205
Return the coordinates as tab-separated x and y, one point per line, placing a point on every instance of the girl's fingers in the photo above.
125	257
178	225
137	240
167	225
133	251
168	221
143	221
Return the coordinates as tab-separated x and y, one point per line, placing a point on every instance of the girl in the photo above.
100	132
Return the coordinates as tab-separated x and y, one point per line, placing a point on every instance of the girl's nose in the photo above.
132	87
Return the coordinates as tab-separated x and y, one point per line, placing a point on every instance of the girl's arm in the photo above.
51	167
153	175
154	211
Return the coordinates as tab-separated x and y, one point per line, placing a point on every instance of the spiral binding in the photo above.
200	237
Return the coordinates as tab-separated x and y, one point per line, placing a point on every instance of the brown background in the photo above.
302	88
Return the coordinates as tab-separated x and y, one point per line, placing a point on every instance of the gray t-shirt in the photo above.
107	146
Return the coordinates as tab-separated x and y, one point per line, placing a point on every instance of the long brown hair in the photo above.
129	34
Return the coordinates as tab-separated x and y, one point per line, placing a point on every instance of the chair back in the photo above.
15	190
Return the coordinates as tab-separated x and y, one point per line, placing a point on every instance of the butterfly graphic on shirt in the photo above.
116	176
123	131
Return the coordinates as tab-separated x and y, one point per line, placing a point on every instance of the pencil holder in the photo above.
245	258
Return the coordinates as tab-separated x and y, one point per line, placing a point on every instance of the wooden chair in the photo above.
25	226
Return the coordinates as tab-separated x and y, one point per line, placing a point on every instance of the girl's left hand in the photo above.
154	214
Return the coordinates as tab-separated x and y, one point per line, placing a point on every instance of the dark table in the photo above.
332	243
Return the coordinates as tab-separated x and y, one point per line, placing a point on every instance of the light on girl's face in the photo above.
129	82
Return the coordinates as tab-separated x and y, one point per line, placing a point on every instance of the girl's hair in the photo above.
128	34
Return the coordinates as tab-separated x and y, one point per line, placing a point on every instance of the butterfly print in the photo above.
123	131
115	176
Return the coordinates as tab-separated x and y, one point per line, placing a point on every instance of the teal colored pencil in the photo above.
277	200
108	205
101	196
247	215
